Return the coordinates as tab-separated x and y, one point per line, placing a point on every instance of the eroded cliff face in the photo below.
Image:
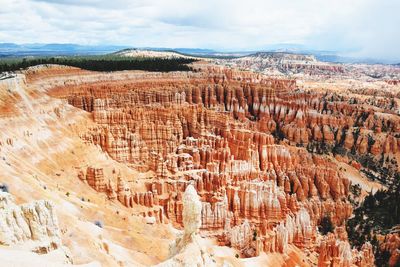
41	154
31	227
244	141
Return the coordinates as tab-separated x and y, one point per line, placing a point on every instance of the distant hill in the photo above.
153	53
192	51
176	53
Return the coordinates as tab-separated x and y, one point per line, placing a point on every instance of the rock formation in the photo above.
190	249
242	158
200	133
391	243
335	250
33	225
191	212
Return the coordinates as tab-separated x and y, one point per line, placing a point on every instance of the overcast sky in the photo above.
368	28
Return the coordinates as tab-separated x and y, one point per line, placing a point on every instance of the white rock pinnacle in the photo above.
191	211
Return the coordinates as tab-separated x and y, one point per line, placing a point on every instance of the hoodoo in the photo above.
191	212
210	167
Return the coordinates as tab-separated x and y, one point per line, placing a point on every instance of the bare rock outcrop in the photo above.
334	250
190	250
191	212
33	225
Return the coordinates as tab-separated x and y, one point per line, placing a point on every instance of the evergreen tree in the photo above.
326	225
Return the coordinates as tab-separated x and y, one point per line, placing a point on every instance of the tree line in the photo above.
101	63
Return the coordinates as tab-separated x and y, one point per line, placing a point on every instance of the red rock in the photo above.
218	130
95	178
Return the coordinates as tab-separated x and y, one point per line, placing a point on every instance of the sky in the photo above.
361	28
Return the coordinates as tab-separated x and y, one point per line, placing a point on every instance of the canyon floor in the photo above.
97	165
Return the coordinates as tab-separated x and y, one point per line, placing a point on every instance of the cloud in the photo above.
363	28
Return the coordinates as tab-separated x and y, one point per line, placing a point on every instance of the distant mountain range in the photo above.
30	50
18	50
11	49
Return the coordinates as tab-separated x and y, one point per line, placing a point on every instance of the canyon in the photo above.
231	164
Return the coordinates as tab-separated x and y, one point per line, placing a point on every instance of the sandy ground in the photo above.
356	177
